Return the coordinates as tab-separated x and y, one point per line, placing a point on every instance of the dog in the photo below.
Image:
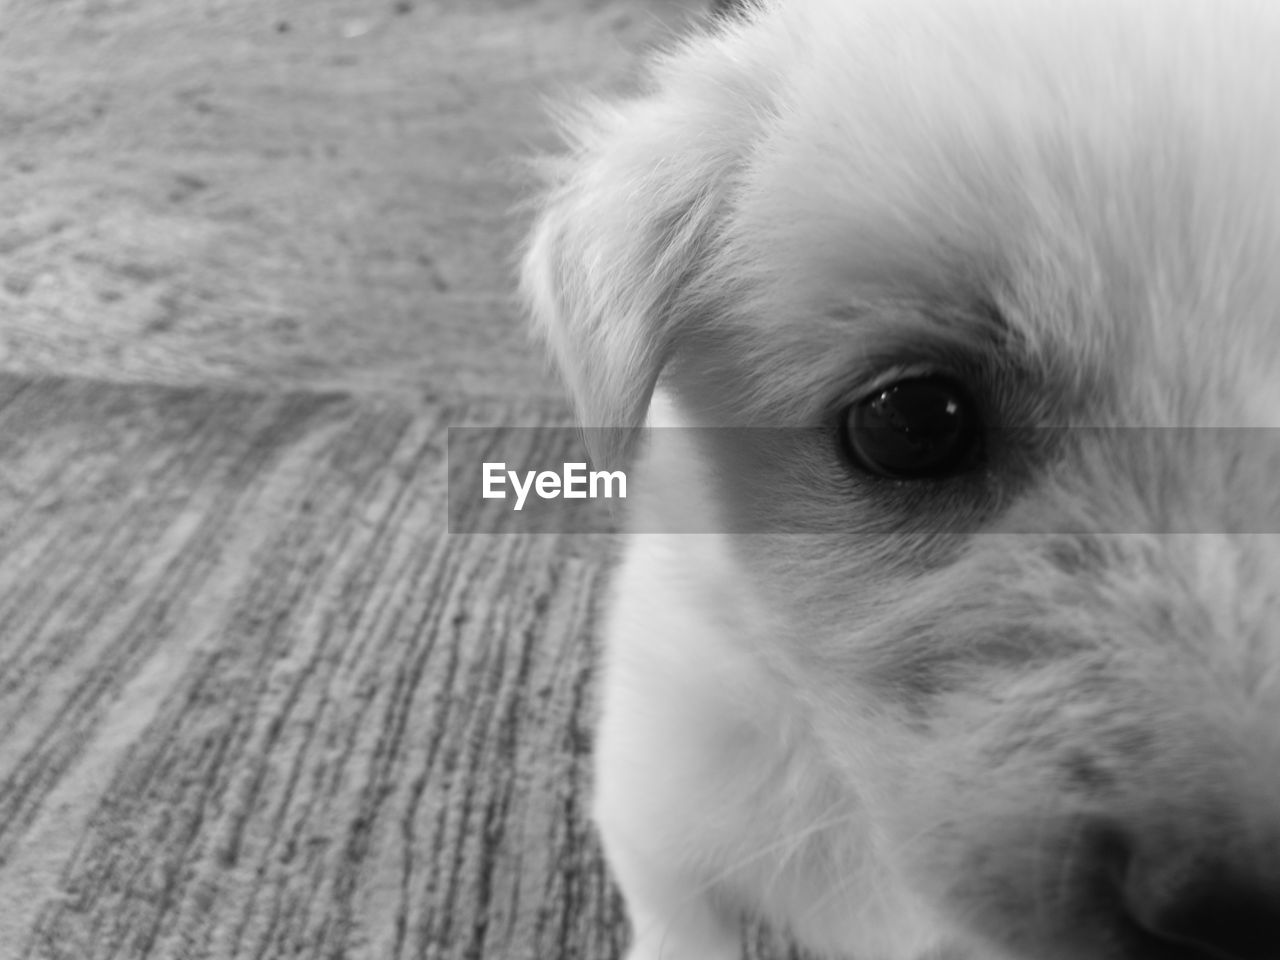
955	324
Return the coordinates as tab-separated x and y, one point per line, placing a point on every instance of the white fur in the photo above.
899	746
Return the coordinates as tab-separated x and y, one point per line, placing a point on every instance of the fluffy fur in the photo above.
1031	716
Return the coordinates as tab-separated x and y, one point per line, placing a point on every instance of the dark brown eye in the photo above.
915	429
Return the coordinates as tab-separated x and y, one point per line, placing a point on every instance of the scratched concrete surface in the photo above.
254	702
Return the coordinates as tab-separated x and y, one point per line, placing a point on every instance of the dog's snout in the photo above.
1190	906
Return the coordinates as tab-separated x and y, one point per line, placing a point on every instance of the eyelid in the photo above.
899	372
887	376
973	371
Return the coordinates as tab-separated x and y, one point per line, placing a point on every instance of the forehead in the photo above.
1095	185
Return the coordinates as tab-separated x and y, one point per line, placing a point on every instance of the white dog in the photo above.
954	678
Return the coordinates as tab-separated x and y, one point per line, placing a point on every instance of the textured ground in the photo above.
254	700
255	703
290	193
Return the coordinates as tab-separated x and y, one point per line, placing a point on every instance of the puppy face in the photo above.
1050	666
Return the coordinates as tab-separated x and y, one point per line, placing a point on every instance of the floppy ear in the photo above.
628	224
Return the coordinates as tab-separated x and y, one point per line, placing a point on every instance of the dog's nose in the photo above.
1197	908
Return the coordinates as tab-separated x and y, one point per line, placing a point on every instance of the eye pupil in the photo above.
919	428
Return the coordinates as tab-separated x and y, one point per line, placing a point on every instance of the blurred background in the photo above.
255	700
313	195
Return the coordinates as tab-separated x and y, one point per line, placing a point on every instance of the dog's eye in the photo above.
914	429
